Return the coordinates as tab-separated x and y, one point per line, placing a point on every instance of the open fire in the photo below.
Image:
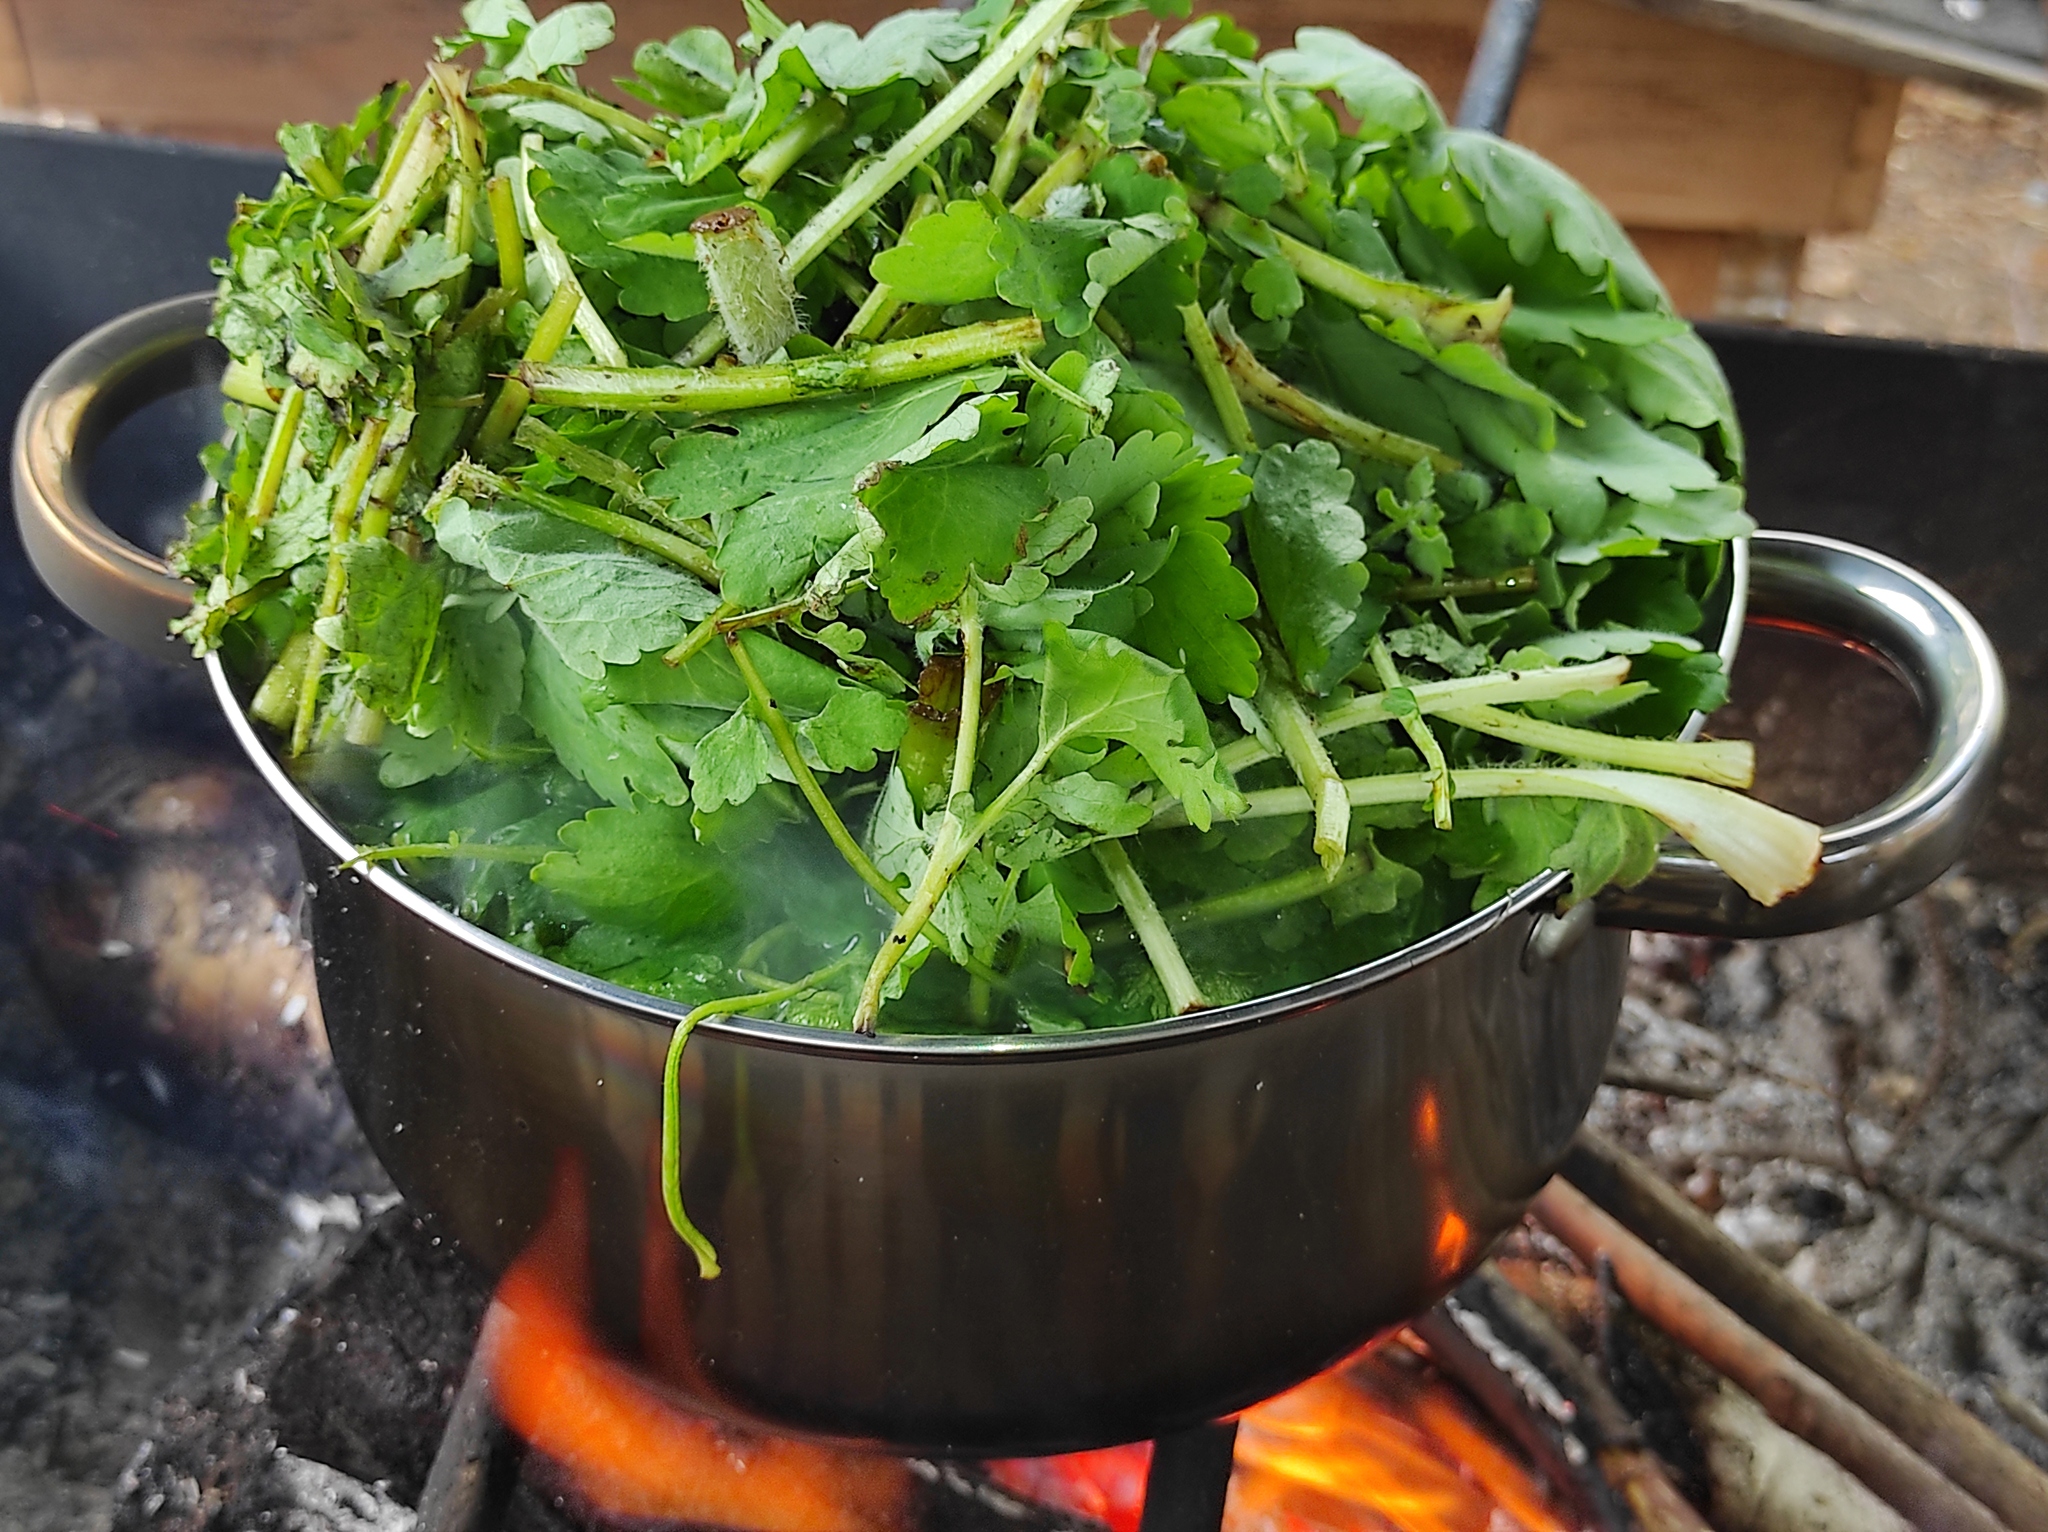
1381	1443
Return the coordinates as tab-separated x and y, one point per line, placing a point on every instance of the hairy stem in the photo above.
1270	394
709	389
694	641
599	468
1038	26
1434	696
1418	730
1513	582
1237	427
1445	318
465	477
1182	993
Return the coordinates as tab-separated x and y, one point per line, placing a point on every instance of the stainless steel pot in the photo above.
1030	1244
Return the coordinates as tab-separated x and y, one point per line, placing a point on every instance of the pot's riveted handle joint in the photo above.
124	591
1896	849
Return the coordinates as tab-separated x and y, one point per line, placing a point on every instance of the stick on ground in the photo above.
1792	1394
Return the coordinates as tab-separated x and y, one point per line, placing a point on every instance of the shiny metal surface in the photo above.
120	589
946	1244
1890	853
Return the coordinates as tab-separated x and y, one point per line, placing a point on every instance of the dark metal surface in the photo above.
1495	74
1189	1480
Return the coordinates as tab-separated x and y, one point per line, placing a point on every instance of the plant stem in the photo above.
807	780
400	206
1513	582
1445	318
1730	762
553	261
791	142
1295	730
967	737
277	699
672	1102
1182	993
698	637
709	389
243	383
880	304
401	139
599	111
627	529
450	850
1435	696
505	233
1237	427
1270	394
513	395
599	468
1419	731
277	457
1018	130
343	516
1073	164
1038	26
1270	897
1765	850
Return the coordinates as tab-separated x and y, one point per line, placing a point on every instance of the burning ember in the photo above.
1382	1443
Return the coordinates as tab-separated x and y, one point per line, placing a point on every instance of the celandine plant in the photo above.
917	524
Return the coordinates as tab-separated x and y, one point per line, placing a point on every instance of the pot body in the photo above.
1016	1250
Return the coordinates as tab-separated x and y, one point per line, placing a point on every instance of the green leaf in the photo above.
560	40
1200	598
724	464
1272	287
427	262
944	523
1095	687
386	629
688	75
1388	101
1308	545
474	678
597	601
945	258
639	865
855	725
731	761
612	747
771	547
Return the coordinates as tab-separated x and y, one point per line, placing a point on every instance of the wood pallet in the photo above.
1721	152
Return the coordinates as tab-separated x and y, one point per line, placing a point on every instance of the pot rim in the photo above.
792	1035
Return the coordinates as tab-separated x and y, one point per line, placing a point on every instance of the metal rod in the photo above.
1189	1479
1496	72
476	1467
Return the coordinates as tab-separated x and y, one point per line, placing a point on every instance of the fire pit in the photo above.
312	1354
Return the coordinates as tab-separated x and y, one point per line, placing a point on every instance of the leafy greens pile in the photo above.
951	512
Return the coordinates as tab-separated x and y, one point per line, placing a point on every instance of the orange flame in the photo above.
1453	1242
629	1449
1380	1443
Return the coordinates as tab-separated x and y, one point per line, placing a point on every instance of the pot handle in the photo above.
126	592
1892	851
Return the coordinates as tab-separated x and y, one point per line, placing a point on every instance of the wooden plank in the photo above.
1688	262
17	85
1867	42
1674	127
